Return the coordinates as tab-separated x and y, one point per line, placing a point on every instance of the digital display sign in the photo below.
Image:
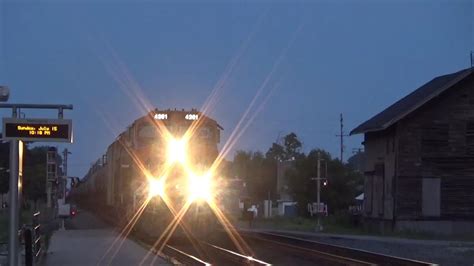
57	130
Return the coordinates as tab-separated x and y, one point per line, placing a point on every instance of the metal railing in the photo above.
32	237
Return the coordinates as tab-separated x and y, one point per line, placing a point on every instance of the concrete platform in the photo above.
87	247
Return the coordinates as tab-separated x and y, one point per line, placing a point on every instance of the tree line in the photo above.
259	171
34	172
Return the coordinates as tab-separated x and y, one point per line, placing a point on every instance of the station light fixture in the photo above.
4	93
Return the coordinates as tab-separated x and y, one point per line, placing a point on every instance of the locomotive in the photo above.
161	153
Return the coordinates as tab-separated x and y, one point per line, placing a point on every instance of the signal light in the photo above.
325	183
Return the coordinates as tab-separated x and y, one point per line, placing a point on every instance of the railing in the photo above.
32	238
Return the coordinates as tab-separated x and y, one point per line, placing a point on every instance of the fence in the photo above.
32	237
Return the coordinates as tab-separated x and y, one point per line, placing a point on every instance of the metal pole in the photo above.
14	215
342	139
64	179
318	183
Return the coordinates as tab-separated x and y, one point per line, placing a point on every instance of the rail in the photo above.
183	257
335	250
236	257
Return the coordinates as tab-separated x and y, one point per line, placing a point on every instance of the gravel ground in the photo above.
438	252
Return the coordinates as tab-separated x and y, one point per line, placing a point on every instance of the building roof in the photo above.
411	102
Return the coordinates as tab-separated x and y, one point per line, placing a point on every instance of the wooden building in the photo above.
420	159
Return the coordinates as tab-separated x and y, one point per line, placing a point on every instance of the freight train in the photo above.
165	153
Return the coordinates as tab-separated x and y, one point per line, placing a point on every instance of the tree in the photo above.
241	163
291	149
258	172
343	183
292	146
34	174
276	152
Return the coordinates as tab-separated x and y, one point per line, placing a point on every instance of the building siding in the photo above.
422	167
433	145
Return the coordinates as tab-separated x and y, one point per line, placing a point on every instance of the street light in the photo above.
4	93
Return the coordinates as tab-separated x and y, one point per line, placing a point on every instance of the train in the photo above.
167	146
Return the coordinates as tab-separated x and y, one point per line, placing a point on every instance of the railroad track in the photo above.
202	253
271	248
186	254
338	254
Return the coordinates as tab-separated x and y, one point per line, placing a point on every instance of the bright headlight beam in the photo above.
200	187
176	150
155	187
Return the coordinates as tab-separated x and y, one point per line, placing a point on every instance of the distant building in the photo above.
419	164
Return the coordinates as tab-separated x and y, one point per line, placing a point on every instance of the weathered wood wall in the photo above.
437	142
380	149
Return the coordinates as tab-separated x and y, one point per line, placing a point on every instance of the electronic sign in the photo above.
32	129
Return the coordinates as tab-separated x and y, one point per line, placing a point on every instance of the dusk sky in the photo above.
311	61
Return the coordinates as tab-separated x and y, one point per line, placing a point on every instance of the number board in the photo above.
54	130
191	117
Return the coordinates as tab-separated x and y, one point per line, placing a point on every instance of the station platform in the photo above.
86	241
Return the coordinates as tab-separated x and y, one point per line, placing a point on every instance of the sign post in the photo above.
14	199
19	130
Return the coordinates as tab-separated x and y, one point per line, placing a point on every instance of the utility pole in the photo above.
341	136
318	193
65	176
318	179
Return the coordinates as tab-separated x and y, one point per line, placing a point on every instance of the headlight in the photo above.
176	150
156	187
200	187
